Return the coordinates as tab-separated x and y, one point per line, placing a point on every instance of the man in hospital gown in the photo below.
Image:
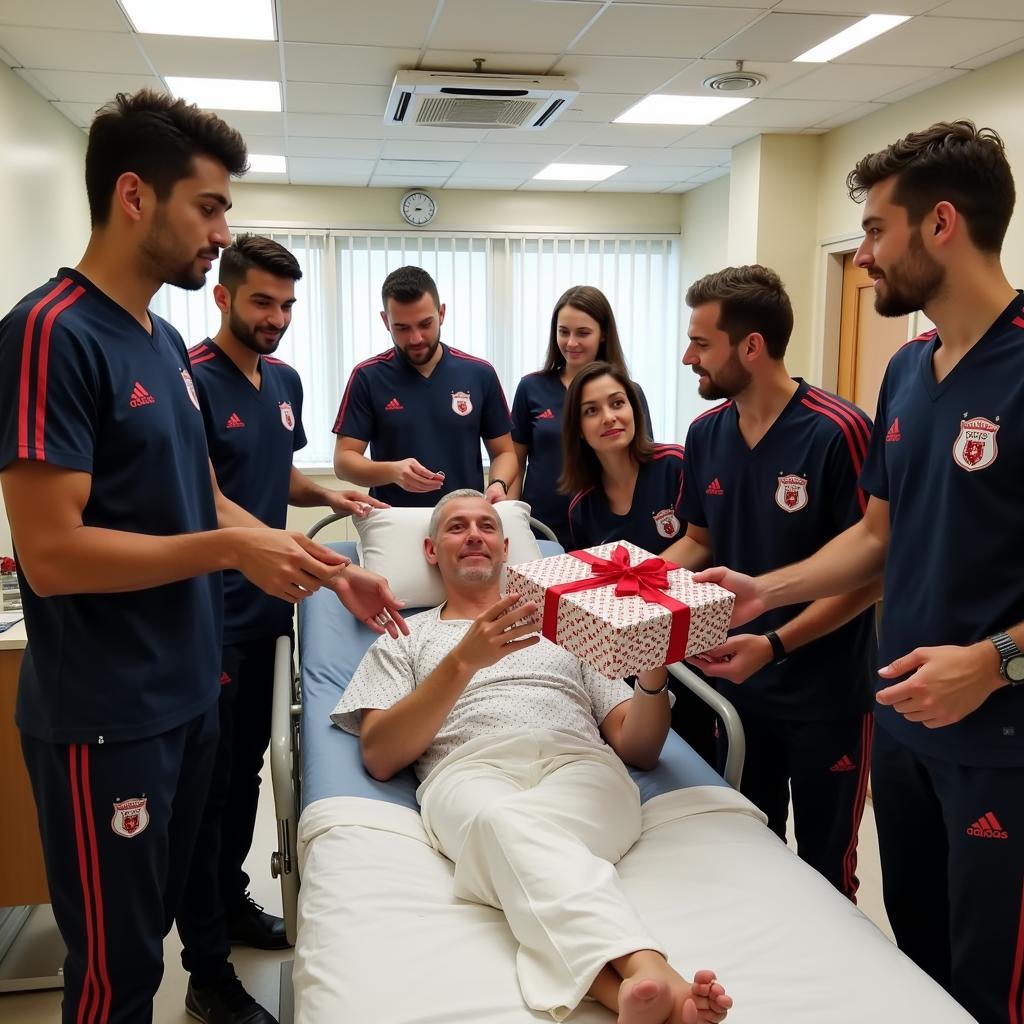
519	748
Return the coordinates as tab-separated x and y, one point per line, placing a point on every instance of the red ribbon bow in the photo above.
647	580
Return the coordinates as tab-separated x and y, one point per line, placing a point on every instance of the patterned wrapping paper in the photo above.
620	636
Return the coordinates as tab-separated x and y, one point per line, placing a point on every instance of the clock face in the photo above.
418	208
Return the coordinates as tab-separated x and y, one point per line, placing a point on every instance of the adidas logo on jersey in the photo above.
234	422
714	487
893	433
394	406
844	764
987	827
140	396
547	414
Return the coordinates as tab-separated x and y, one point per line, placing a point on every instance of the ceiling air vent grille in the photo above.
463	112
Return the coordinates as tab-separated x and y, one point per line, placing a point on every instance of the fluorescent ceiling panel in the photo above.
578	172
666	109
227	93
264	163
224	19
850	38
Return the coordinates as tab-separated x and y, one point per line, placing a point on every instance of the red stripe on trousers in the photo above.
83	872
1016	999
101	934
44	354
850	882
26	364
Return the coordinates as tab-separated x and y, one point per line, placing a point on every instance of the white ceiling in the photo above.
337	58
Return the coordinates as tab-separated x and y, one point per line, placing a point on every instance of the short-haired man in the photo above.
422	407
252	411
943	525
518	747
114	514
771	475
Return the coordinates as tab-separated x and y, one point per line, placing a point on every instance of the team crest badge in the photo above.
461	403
287	416
190	387
791	494
667	523
975	446
130	817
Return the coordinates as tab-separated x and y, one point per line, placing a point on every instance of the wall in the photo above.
42	199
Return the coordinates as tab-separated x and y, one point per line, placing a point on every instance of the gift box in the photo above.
621	609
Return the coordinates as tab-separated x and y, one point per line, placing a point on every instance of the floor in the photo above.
260	971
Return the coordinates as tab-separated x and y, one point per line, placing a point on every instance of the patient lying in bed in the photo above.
519	748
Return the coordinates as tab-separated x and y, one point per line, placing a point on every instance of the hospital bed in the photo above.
379	938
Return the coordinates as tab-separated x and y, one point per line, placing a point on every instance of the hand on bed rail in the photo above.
284	563
368	597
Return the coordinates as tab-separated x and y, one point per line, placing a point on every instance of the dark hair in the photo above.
407	284
595	304
751	299
953	162
254	251
157	137
581	467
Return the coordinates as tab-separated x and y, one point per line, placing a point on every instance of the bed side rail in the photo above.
737	743
284	862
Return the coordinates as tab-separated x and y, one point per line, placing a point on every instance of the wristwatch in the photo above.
1011	665
779	654
498	480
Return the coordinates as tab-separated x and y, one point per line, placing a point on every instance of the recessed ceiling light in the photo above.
578	172
227	93
858	33
225	19
664	109
262	163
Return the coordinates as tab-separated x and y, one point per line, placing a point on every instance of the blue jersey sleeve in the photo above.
355	415
647	412
495	420
522	422
577	529
691	508
874	478
48	391
847	499
299	434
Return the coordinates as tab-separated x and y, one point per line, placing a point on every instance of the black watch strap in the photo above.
779	654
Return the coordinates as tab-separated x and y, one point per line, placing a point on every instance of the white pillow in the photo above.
391	543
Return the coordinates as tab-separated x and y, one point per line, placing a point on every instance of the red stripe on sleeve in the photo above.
855	458
851	415
710	412
44	356
383	357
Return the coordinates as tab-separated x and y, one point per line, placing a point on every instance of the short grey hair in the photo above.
462	492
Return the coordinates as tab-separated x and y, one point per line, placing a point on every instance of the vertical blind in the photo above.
498	289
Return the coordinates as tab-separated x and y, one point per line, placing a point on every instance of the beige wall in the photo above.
43	210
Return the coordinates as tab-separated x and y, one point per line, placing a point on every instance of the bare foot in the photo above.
653	993
710	998
644	1001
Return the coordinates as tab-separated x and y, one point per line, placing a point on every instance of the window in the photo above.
499	290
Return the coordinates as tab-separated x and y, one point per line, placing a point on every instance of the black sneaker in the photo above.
250	925
224	1001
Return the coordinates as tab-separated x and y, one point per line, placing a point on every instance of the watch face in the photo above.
418	208
1015	669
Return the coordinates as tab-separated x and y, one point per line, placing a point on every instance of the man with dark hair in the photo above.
943	472
252	411
121	535
423	407
771	475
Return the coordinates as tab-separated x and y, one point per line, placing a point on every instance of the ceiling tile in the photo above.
97	15
212	58
785	114
271	145
397	149
334	149
781	37
78	113
352	65
325	98
850	82
992	55
516	153
92	86
649	31
854	113
717	136
499	171
684	153
664	175
934	42
646	156
561	133
617	185
407	181
655	136
858	7
711	174
73	50
526	26
265	178
494	63
980	9
934	78
327	126
254	122
599	107
682	186
329	172
483	184
381	23
555	186
414	168
420	134
690	82
619	74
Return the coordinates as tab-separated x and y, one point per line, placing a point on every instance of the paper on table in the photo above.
8	619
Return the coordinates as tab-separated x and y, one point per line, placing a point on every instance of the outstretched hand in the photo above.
737	659
285	563
495	633
353	503
749	602
368	597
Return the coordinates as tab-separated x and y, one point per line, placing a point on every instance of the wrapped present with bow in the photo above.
621	609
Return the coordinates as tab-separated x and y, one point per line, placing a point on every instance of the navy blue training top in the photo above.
252	434
653	521
948	457
779	503
537	423
83	386
438	420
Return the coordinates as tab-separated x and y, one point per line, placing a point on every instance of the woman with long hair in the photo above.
583	330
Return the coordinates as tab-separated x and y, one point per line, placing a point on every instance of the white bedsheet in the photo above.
382	941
